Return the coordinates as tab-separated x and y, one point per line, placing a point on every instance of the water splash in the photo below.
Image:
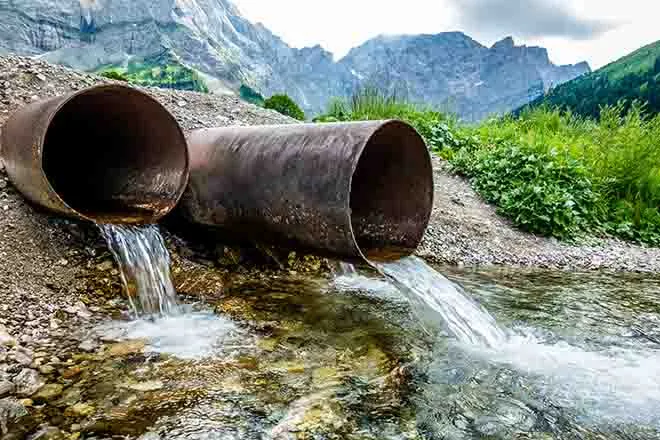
145	268
465	319
192	334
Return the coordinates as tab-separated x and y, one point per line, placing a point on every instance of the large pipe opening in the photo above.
114	154
391	193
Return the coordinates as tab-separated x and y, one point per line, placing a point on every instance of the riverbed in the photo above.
306	357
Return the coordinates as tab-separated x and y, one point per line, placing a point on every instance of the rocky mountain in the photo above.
227	50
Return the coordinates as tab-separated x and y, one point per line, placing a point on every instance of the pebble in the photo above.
46	369
27	382
88	346
10	410
81	409
5	338
22	355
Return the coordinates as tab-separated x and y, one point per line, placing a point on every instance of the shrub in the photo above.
369	104
545	192
285	105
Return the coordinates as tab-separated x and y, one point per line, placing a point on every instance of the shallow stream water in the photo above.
563	356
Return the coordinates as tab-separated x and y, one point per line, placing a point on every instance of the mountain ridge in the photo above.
633	77
449	70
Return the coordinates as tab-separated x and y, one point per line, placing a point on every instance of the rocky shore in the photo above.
58	281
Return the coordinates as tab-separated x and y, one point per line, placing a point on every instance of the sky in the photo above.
597	31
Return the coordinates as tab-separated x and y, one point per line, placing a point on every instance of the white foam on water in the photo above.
188	335
614	385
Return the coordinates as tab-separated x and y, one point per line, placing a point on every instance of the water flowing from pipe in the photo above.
465	319
144	263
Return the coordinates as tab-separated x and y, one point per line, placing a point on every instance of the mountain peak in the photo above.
504	44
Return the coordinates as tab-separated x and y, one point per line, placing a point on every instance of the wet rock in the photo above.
126	348
48	433
153	385
22	355
88	346
10	410
105	266
46	369
80	409
27	382
6	388
48	392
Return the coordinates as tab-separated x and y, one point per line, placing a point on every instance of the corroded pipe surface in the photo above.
108	154
355	190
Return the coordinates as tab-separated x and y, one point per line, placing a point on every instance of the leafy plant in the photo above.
285	105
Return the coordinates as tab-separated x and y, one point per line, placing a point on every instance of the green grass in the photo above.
371	104
551	172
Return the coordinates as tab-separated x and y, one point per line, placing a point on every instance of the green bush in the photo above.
545	192
368	104
551	172
285	105
160	72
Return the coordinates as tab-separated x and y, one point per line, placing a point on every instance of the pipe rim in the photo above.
401	253
110	87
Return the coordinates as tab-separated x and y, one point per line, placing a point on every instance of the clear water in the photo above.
144	263
464	318
286	356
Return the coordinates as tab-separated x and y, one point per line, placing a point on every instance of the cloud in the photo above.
528	19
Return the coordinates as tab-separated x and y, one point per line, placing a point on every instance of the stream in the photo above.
404	354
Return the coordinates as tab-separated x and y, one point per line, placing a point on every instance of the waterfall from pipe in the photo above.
144	263
464	318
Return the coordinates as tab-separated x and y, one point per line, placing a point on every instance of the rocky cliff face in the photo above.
211	36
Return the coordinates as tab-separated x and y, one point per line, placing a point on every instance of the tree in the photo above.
285	105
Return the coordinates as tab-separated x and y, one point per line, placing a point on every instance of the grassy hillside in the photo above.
633	77
159	71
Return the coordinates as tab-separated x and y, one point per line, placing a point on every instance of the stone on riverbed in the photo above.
10	410
6	388
27	382
48	392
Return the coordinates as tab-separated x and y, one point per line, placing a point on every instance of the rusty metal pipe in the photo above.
109	154
354	190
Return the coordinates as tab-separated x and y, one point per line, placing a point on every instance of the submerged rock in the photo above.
10	410
27	382
48	392
6	388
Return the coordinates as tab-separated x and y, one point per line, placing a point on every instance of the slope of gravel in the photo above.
465	230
